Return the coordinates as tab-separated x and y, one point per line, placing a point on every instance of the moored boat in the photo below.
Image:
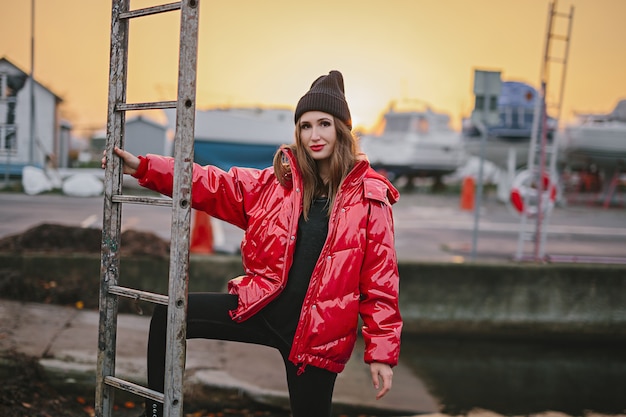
516	109
414	143
597	140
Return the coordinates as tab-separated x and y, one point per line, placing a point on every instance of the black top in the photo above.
283	313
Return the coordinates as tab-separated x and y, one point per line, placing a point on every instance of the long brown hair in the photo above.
342	161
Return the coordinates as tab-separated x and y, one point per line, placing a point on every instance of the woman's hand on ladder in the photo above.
131	162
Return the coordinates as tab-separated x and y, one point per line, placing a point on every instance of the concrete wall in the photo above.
585	302
530	301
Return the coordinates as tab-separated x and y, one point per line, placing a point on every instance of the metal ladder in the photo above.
543	178
110	288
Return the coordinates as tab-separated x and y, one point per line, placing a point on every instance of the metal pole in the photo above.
479	188
9	148
31	150
538	253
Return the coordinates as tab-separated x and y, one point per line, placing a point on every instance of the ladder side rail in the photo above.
112	214
542	221
567	40
612	188
546	48
181	211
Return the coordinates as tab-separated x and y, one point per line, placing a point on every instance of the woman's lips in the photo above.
317	148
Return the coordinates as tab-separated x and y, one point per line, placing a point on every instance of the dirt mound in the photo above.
25	392
70	239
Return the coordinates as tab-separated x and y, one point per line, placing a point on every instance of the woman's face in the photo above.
318	134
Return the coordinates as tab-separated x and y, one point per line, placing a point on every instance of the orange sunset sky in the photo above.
267	52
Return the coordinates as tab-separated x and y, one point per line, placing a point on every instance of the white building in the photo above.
19	146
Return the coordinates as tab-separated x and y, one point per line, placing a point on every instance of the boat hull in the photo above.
415	155
601	144
497	150
414	143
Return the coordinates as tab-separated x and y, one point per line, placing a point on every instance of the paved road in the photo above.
428	227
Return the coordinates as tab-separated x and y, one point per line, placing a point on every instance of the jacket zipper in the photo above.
299	329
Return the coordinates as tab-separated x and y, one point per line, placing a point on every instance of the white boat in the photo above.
414	143
516	109
243	136
596	139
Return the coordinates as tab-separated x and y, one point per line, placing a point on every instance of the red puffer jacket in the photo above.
356	272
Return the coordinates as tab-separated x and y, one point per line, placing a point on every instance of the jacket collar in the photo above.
359	173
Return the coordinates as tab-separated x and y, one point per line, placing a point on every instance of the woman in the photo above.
318	251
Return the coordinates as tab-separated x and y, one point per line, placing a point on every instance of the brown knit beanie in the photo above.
326	95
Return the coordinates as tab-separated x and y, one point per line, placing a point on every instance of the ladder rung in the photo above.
557	60
133	388
150	10
138	294
146	106
134	199
559	37
561	14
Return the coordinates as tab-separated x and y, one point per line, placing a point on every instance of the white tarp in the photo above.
83	185
35	180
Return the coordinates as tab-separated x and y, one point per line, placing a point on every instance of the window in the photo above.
8	139
480	102
10	85
8	129
422	125
399	123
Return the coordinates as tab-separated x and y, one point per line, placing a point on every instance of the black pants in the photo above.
310	394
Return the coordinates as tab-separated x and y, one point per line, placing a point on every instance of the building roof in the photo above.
146	120
4	60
